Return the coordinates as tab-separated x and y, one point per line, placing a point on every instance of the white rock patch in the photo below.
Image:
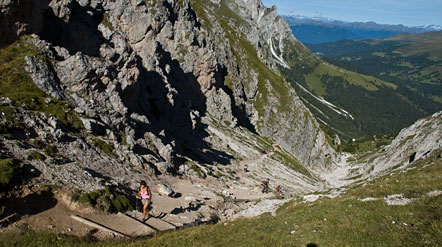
265	206
368	199
397	200
434	193
311	198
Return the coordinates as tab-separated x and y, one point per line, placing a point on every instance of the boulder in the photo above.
164	190
164	167
93	126
44	78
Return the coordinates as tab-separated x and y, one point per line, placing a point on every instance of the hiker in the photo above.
280	190
145	195
265	183
246	168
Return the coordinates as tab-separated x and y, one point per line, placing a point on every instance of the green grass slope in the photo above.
377	106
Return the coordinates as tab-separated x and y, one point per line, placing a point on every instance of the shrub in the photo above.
34	155
86	199
50	150
106	21
75	197
198	170
38	144
214	218
107	200
8	168
121	204
104	146
47	149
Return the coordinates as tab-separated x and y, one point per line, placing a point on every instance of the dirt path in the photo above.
58	219
196	198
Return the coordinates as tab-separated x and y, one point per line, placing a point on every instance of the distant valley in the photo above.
382	84
411	61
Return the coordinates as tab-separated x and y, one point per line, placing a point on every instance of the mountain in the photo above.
374	100
201	99
321	30
98	95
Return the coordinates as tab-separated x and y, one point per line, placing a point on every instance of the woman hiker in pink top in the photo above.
145	195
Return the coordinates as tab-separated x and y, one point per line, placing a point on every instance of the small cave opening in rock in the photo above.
412	158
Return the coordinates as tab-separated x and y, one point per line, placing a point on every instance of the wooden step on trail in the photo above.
117	224
99	226
138	224
153	222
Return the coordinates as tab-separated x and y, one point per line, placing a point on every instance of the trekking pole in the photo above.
136	208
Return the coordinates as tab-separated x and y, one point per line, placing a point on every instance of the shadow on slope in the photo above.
13	209
176	103
77	34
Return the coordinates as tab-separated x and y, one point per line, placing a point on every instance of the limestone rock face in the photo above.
293	128
413	143
44	78
165	86
267	27
93	126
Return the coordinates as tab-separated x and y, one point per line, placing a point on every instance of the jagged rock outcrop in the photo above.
148	78
44	78
267	29
416	142
294	128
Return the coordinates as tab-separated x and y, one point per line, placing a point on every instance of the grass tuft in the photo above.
104	146
34	155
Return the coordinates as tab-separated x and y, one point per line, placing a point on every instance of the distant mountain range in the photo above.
316	30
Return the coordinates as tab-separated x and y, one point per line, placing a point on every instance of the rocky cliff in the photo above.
163	87
419	141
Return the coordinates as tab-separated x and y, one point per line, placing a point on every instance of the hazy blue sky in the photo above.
407	12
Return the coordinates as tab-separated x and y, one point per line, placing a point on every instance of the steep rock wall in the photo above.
149	76
416	142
